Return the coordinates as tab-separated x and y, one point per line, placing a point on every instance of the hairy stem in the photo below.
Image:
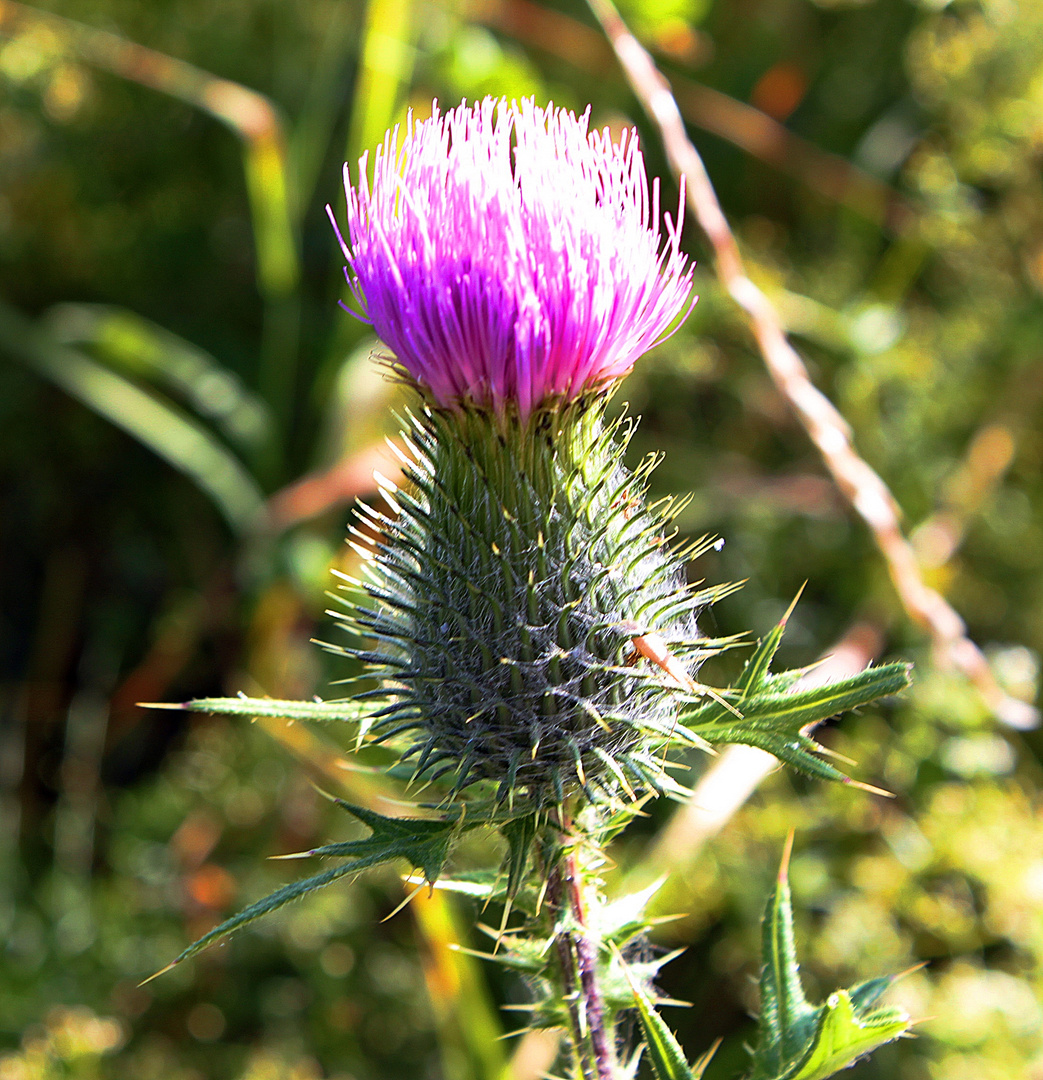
591	1035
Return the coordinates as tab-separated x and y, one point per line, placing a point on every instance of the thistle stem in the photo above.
591	1035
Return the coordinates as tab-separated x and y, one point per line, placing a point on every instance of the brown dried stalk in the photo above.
744	126
860	485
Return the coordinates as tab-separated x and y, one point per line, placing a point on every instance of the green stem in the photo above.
591	1034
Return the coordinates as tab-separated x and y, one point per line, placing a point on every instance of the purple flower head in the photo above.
509	256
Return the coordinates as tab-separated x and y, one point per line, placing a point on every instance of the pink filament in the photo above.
508	256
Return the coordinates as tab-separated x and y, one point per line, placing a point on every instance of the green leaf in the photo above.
801	1041
843	1036
664	1051
794	748
787	1019
385	70
519	834
778	721
804	708
265	906
622	919
866	993
807	707
180	440
139	348
756	670
423	842
351	711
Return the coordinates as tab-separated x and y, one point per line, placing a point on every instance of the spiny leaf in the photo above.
787	1018
867	993
353	711
519	835
798	710
794	711
755	673
664	1051
797	751
617	980
423	842
843	1036
779	723
801	1041
625	917
268	904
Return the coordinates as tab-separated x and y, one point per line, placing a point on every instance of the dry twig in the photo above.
744	126
339	485
861	486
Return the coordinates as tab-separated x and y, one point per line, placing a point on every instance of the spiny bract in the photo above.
506	592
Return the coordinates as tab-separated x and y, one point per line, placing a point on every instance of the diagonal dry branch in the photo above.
751	130
860	485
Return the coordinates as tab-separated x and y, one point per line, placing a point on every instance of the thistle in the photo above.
520	563
528	637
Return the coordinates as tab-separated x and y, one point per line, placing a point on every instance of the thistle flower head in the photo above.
512	259
509	256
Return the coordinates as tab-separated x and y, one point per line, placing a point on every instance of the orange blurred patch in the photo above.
988	458
683	43
211	887
780	90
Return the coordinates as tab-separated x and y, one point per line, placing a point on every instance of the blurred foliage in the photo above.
187	417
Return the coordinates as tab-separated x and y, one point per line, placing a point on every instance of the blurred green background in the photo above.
187	417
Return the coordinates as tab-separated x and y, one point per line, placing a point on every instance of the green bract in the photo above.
510	581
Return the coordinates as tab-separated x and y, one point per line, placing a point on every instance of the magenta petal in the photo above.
508	256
